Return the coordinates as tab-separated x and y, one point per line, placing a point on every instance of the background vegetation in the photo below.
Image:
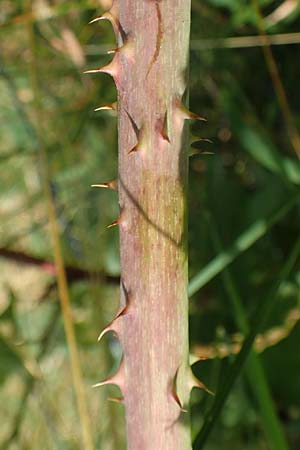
244	224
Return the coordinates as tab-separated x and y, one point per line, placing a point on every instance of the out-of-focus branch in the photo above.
73	273
233	345
277	82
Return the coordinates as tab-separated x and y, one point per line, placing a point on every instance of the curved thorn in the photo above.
112	17
134	149
195	139
177	400
140	141
193	152
105	16
193	382
117	379
113	326
116	222
174	394
106	330
109	107
164	131
194	359
189	115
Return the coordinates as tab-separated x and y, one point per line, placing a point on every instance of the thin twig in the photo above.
73	273
242	41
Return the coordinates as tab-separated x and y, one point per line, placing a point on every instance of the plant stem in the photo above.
150	71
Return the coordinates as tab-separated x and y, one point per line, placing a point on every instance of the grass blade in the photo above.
254	369
257	230
263	310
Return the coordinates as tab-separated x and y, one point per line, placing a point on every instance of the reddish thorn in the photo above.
186	113
103	185
106	16
110	69
111	16
134	149
174	392
113	324
177	400
195	383
117	379
114	224
126	47
116	399
91	71
140	139
109	107
105	331
165	137
164	130
193	116
110	185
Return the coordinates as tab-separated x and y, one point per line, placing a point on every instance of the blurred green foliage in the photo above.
253	174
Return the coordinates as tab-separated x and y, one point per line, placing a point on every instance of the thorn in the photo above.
98	18
194	359
135	149
107	330
177	400
122	48
112	51
164	132
192	116
193	152
140	141
126	295
113	324
136	129
195	139
105	16
110	185
112	17
188	114
116	399
109	107
110	69
193	382
116	222
174	393
117	379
